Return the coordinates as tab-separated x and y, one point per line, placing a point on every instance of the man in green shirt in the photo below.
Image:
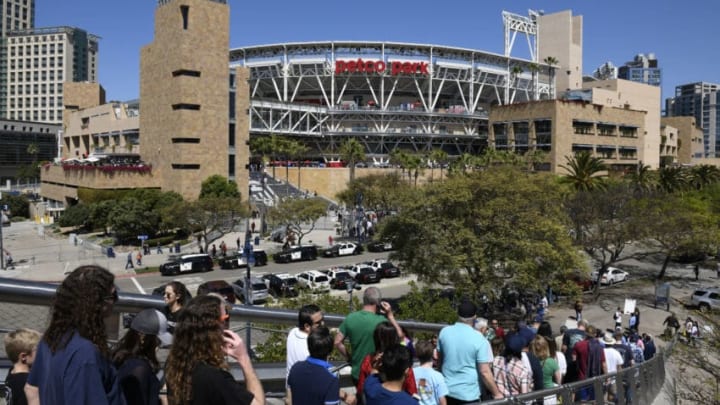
359	327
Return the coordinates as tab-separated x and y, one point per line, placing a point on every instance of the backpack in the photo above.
637	353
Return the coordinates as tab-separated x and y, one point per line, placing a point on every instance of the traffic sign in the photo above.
142	237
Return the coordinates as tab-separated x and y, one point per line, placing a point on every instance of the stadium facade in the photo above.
200	103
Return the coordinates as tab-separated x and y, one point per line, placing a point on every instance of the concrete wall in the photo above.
560	36
634	96
186	146
60	184
690	138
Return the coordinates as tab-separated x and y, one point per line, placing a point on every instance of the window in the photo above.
185	140
186	106
186	72
185	10
185	166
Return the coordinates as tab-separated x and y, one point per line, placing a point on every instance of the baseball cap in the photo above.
515	342
527	335
467	310
152	322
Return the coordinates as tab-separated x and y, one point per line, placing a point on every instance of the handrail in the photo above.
640	383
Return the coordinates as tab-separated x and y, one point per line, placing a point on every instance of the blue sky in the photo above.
680	33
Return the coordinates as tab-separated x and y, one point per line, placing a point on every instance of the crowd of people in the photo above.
472	360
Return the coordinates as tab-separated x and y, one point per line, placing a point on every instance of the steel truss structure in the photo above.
386	95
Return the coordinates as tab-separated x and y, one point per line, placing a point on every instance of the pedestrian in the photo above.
139	258
238	243
213	250
309	381
176	296
637	318
696	269
20	347
252	227
384	336
359	328
129	261
590	358
632	322
672	325
510	374
551	374
310	317
159	249
72	364
614	361
330	240
617	316
431	387
223	248
136	359
196	369
578	310
396	363
465	358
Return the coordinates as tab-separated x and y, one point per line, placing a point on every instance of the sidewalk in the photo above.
40	256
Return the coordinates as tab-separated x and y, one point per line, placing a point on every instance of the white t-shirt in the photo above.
562	363
297	348
613	359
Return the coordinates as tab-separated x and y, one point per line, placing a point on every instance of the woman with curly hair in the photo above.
72	364
196	370
136	358
176	296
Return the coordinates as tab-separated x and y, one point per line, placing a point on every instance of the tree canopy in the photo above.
219	187
298	214
485	229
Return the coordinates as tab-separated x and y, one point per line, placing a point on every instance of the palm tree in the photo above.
351	151
704	175
264	146
643	179
33	150
584	172
534	68
462	163
296	151
672	179
415	167
551	61
398	157
439	157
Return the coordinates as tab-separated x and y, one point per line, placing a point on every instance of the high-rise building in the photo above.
702	101
606	71
642	69
16	15
37	62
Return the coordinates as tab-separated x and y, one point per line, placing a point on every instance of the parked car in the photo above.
706	299
221	287
380	245
612	275
343	249
281	284
258	290
364	274
297	253
314	281
187	264
237	260
385	269
339	277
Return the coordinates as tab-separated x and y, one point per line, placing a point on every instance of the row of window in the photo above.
49	75
36	102
36	62
17	24
29	50
36	38
27	115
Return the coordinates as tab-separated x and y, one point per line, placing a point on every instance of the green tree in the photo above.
75	215
437	157
606	221
18	205
100	215
516	234
219	187
299	215
209	218
584	171
131	217
295	151
463	163
643	179
676	225
352	152
672	179
380	191
704	175
551	61
265	147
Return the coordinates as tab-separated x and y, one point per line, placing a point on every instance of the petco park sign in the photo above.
379	66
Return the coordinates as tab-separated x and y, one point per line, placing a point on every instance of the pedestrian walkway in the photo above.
40	256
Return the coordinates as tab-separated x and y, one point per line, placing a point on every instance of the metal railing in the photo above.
638	384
